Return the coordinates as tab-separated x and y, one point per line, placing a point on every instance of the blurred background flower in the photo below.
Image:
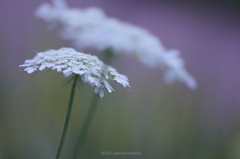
161	121
91	29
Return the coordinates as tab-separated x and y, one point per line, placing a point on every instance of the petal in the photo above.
79	72
91	79
42	67
59	68
54	67
67	70
67	74
97	83
101	93
30	70
106	74
96	90
25	65
109	88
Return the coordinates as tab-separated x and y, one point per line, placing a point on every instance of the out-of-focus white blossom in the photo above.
68	61
90	28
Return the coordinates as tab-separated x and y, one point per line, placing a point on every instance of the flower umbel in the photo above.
68	61
91	29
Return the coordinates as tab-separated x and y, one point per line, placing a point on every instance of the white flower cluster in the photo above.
69	61
90	28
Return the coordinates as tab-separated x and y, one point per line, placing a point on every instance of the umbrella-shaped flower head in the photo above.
91	29
70	62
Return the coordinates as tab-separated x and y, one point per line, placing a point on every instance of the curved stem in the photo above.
86	125
108	56
67	118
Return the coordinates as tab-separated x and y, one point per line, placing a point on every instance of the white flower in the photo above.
90	28
68	61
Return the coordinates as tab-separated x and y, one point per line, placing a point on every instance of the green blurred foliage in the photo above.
153	118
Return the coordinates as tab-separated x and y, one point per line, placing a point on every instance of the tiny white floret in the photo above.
90	28
68	61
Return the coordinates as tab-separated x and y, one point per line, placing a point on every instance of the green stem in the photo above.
67	118
86	125
108	56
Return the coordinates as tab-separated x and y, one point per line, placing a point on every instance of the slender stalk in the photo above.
108	56
86	125
67	117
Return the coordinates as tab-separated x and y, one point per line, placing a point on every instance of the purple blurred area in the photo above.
208	38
